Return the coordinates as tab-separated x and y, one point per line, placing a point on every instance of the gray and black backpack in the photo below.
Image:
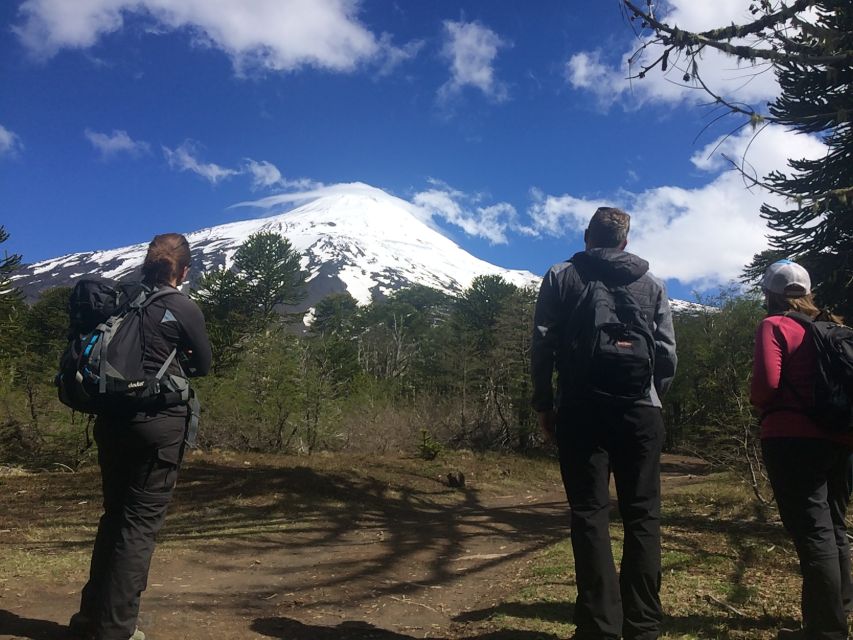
609	349
101	369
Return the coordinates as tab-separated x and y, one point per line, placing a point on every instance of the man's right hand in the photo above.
548	425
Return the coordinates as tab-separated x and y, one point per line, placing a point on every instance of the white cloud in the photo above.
702	236
393	57
264	174
185	158
557	215
278	35
462	210
10	142
608	80
110	144
471	49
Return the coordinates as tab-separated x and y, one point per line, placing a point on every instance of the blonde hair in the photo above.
779	303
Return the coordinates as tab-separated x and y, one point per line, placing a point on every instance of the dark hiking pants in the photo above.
811	480
593	442
137	485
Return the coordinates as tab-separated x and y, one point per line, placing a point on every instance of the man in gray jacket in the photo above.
596	437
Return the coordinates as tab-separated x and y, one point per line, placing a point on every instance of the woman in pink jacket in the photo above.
809	468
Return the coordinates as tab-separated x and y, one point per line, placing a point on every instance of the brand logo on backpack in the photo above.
610	352
102	367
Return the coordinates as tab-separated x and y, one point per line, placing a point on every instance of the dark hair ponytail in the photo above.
168	256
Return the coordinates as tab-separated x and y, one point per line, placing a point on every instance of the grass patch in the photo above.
729	570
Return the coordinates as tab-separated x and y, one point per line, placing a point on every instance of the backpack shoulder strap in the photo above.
802	318
156	294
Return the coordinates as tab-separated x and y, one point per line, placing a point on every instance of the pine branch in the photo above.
680	39
842	194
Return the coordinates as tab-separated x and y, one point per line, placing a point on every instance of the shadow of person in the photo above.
289	629
15	625
562	612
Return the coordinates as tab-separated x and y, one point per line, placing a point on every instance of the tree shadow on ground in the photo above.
15	625
289	629
386	524
300	510
697	625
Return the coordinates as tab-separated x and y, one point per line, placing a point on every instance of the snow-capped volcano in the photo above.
353	238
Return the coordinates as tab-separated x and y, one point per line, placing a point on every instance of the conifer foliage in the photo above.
810	47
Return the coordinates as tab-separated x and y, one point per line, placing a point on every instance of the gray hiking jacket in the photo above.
558	295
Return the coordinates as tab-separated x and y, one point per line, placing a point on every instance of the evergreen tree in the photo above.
46	328
227	313
241	301
11	302
817	229
334	334
270	272
335	315
810	45
480	306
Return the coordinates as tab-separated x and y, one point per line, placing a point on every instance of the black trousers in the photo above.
137	484
811	480
593	442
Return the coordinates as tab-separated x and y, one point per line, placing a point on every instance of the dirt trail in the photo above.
301	553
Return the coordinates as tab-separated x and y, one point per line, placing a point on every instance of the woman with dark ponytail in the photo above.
140	452
809	467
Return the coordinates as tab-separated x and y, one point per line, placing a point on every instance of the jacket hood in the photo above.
612	266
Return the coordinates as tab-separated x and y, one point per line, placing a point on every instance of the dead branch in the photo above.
725	605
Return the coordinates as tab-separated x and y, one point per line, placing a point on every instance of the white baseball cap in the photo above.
788	279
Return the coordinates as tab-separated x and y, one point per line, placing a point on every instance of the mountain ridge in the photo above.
353	237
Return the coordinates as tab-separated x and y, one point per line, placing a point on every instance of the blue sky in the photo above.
508	122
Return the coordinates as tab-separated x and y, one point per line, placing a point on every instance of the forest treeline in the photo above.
417	371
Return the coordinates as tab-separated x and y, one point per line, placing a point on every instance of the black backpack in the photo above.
610	349
101	369
833	385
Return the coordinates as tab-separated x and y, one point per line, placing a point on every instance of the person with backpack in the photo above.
604	323
806	441
141	438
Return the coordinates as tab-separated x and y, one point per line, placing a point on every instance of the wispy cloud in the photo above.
492	222
606	77
10	142
261	173
185	158
276	35
112	144
701	236
265	175
471	48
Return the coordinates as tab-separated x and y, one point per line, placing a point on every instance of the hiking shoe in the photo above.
137	635
81	626
791	634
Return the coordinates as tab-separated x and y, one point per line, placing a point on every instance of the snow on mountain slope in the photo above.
353	238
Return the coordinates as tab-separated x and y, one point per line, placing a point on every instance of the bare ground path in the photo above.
321	549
